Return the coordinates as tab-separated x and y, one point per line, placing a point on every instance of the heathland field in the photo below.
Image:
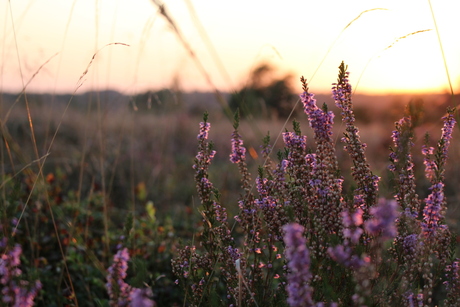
114	200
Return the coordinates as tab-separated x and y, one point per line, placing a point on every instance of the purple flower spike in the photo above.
430	165
432	211
383	223
320	121
204	130
238	151
452	283
447	129
434	166
299	275
12	292
141	298
119	291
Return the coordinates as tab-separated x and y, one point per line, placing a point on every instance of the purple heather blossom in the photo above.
320	121
266	150
435	167
221	212
238	151
452	283
401	126
420	299
351	221
310	159
204	158
206	184
141	298
234	253
430	165
359	202
298	288
13	293
432	211
383	222
284	164
9	263
204	130
341	93
410	244
291	139
119	291
446	136
261	186
367	183
340	253
343	254
3	241
25	297
410	299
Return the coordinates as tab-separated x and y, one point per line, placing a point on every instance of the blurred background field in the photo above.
120	145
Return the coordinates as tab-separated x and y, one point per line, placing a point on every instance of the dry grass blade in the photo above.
205	37
23	91
397	40
195	58
340	34
80	80
405	36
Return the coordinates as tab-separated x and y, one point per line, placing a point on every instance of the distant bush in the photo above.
264	95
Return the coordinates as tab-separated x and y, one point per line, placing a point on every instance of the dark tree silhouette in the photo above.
264	95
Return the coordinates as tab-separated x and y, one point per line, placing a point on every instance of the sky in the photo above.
390	46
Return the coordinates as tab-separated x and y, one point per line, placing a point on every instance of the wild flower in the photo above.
120	293
352	248
452	284
326	198
384	215
299	275
351	223
434	165
16	292
141	298
432	215
403	167
204	130
238	150
367	182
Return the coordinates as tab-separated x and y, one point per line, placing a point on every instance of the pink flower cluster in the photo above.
120	293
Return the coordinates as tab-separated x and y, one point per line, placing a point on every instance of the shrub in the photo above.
300	240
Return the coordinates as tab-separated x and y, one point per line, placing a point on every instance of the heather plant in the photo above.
300	239
120	293
14	290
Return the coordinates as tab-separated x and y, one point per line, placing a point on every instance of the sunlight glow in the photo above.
229	39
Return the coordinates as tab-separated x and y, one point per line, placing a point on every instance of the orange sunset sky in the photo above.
229	38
